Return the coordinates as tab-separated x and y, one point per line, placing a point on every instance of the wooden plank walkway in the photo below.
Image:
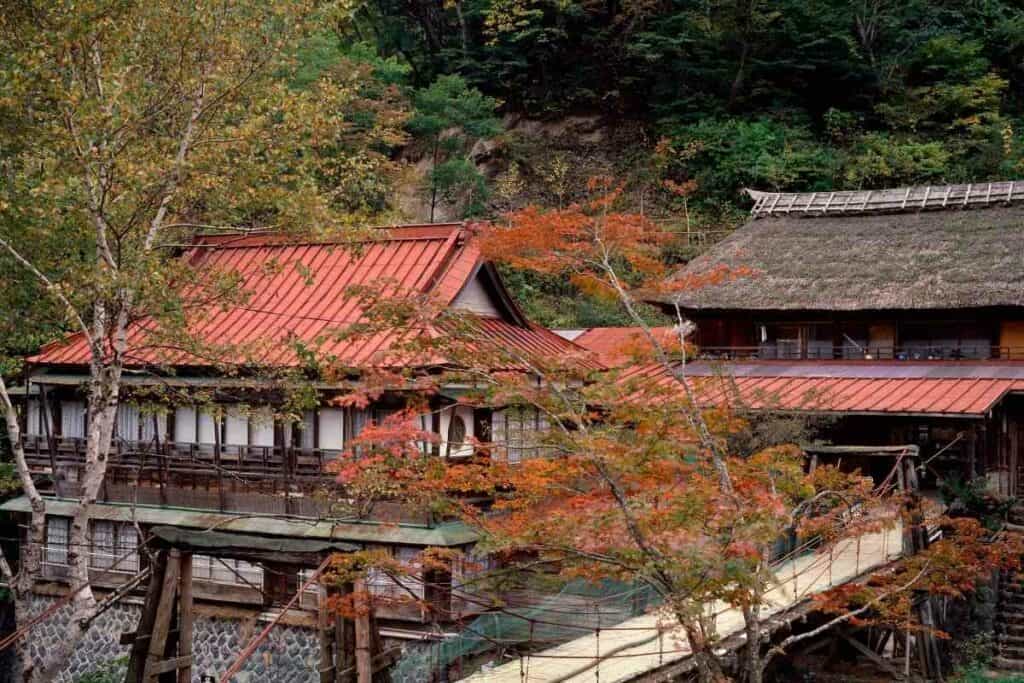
643	644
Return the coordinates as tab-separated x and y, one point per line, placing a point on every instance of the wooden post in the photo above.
972	452
344	644
928	647
140	645
185	619
364	660
435	425
327	665
164	613
51	440
217	462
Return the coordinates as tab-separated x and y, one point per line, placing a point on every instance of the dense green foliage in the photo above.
782	94
694	100
723	94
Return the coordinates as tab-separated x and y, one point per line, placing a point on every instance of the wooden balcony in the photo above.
271	480
275	462
239	479
910	352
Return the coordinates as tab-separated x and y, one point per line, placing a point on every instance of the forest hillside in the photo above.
687	102
452	109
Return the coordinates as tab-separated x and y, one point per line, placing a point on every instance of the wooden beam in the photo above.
327	666
185	619
180	663
164	614
345	644
130	637
364	657
873	656
140	646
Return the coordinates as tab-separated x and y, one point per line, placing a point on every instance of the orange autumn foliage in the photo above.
631	480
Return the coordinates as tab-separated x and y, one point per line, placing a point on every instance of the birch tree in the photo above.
135	125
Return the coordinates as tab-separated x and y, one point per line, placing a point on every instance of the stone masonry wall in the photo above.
289	654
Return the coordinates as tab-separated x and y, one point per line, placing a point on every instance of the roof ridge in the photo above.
247	240
888	200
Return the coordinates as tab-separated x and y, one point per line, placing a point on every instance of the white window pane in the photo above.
102	544
249	574
332	430
127	549
207	425
307	435
33	419
262	427
236	427
227	571
516	432
201	567
310	597
128	422
57	533
499	432
185	424
72	419
222	571
359	419
412	583
153	426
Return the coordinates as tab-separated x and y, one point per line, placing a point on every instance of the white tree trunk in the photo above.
31	561
104	391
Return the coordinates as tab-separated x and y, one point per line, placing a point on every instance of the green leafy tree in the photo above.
137	124
729	154
450	116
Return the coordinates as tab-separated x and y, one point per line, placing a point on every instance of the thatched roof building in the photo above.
943	247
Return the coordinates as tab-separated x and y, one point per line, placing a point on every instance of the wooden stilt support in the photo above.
364	656
327	669
185	619
162	643
873	656
931	659
164	616
140	642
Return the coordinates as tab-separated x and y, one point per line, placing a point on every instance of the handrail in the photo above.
233	457
908	352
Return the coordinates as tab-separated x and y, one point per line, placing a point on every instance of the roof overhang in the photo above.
937	389
249	547
347	531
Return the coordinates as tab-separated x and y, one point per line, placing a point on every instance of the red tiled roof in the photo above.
937	388
615	346
298	292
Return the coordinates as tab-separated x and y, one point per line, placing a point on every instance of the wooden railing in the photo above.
870	352
252	461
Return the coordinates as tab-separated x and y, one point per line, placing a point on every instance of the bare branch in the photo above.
792	640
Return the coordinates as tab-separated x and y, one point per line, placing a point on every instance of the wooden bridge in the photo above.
648	648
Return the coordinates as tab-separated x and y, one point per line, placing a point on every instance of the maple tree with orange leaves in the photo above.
633	480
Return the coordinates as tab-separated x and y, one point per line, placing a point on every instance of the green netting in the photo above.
576	610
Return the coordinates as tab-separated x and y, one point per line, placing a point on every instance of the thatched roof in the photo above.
895	258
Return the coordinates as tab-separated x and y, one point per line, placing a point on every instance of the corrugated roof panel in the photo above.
299	292
615	346
952	396
874	388
889	390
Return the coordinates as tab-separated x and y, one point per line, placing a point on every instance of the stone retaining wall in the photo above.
289	654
